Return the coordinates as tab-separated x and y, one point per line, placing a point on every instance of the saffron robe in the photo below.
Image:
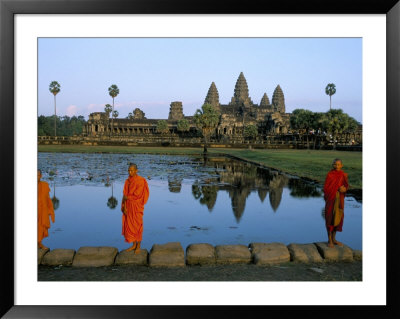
45	210
137	192
334	179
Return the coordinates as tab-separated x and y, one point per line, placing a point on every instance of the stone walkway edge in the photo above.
172	255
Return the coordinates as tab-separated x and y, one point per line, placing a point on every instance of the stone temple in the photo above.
269	118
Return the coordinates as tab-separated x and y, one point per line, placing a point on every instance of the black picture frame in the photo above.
8	10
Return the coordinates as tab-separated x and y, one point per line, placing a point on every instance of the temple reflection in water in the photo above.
215	200
239	179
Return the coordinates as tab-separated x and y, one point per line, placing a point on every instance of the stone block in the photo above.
167	255
269	253
58	257
40	253
336	253
200	254
357	254
130	258
304	253
94	256
232	254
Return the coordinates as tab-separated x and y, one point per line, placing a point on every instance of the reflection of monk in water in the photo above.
136	194
45	209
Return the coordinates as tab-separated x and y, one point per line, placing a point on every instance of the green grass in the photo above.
311	164
119	149
305	163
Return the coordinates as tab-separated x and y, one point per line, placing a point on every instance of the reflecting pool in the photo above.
214	200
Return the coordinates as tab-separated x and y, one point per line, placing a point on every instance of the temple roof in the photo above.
278	100
212	96
241	92
265	100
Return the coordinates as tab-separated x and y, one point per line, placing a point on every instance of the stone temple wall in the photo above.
270	118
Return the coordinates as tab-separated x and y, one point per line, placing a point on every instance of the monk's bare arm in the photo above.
345	186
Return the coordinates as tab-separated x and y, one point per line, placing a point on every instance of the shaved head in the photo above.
337	160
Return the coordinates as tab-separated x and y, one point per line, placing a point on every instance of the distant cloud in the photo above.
72	110
126	107
135	103
152	109
93	107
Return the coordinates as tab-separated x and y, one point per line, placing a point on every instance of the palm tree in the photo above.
115	114
162	127
183	125
330	90
108	110
206	120
113	90
54	88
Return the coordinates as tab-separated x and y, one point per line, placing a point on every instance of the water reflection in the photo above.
193	199
207	176
240	179
174	184
107	183
54	199
300	189
112	202
206	194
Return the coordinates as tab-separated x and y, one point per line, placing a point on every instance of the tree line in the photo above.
334	122
65	125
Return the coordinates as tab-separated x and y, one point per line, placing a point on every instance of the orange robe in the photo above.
45	210
137	192
334	179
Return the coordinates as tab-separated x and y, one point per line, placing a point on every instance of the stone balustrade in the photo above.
172	255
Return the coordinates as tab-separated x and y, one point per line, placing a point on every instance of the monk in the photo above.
135	196
335	187
45	210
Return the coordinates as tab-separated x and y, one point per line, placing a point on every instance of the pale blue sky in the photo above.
153	72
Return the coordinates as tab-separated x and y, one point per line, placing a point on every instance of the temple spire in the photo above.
265	100
278	100
241	92
212	96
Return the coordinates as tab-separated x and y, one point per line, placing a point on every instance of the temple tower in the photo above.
175	111
241	93
265	101
212	96
278	100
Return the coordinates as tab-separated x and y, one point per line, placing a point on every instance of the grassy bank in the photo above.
311	164
306	163
119	149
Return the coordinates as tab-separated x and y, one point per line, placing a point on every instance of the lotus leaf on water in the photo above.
94	169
